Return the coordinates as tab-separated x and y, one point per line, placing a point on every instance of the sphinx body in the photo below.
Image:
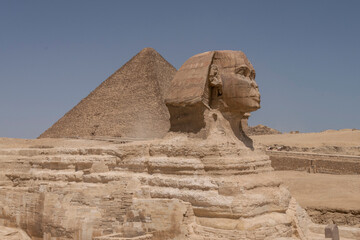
179	187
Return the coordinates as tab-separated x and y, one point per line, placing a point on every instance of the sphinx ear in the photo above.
214	77
215	82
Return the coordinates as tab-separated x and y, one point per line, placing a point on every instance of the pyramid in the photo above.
127	104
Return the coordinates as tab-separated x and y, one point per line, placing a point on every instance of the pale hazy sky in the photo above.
306	54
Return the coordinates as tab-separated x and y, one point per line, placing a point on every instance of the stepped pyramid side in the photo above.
128	104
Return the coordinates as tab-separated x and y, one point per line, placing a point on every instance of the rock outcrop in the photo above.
128	104
261	130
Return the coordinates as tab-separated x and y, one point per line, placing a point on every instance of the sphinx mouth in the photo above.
255	98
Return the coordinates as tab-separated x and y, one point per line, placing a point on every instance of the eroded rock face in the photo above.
7	233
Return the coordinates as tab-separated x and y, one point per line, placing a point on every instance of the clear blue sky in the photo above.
306	54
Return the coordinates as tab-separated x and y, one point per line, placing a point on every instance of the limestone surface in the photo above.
7	233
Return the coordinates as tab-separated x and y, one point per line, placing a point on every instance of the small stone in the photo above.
332	231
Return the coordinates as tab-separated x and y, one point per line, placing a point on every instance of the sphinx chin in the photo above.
255	106
252	104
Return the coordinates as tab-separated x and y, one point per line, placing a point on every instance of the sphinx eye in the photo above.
242	71
252	75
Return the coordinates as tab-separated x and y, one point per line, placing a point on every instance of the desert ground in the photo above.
345	141
325	196
323	190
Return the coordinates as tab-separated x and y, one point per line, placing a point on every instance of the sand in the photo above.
323	190
344	141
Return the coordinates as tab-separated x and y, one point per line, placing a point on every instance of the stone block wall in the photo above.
316	163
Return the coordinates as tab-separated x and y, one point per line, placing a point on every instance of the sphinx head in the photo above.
222	81
232	83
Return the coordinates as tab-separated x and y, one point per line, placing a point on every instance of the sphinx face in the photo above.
240	93
223	81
